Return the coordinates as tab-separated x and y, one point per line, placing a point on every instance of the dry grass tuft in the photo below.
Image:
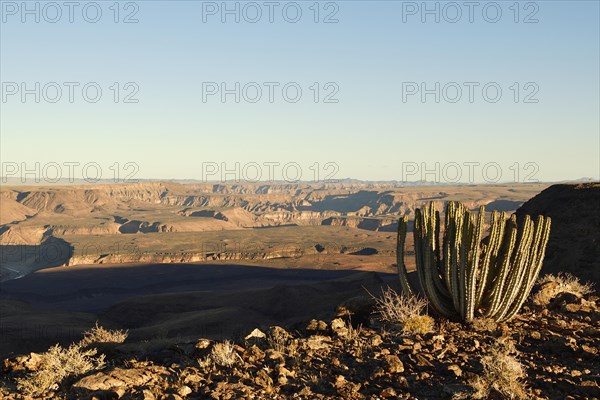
354	334
98	334
502	373
58	364
224	354
418	325
404	310
282	342
553	285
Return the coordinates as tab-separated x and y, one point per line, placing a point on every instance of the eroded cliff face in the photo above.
172	207
370	224
185	257
305	200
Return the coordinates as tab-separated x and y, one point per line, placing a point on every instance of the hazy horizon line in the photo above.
12	181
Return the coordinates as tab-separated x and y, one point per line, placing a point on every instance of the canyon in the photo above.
49	226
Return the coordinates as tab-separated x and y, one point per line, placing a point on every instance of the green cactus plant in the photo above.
461	275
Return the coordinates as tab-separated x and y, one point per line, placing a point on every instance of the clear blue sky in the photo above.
370	55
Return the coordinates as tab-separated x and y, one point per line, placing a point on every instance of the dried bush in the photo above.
98	334
403	310
58	364
553	285
281	341
224	354
502	373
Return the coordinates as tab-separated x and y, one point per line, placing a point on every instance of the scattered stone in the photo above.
193	378
393	364
380	363
253	354
422	361
546	293
121	377
402	382
203	344
316	325
305	392
282	380
184	391
23	363
378	373
256	334
338	326
281	370
564	301
317	342
589	349
455	369
345	388
376	340
416	348
589	383
106	395
591	331
388	392
263	379
484	325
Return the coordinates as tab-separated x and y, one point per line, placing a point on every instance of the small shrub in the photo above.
224	354
553	285
404	310
58	364
418	325
278	342
100	335
354	334
282	342
502	373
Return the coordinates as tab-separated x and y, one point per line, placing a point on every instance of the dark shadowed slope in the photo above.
166	301
574	244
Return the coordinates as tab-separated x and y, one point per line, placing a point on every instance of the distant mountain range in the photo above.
11	181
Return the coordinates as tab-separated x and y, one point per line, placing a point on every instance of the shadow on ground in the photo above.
162	301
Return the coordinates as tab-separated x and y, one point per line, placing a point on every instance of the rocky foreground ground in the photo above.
354	356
